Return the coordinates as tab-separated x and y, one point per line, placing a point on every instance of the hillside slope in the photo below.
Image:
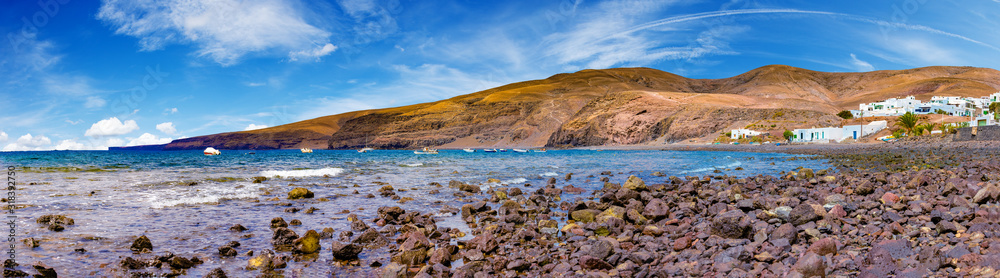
611	107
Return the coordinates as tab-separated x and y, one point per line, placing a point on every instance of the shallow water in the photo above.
185	201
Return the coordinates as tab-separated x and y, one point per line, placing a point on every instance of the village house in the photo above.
836	134
742	133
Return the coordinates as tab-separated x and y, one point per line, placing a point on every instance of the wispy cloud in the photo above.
254	127
111	127
224	30
860	65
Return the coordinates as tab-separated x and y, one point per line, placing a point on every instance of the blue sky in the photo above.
88	74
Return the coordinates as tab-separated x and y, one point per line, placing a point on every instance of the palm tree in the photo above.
929	127
908	122
995	108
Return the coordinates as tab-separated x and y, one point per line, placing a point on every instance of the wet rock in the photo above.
178	262
300	193
803	213
44	272
227	251
31	242
371	238
7	272
393	270
266	261
237	228
307	244
634	183
216	273
141	245
295	222
356	223
283	237
811	265
342	251
464	186
130	263
410	257
806	174
731	224
259	179
415	240
390	214
278	222
55	222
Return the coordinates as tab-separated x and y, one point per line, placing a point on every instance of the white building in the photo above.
743	133
837	134
956	106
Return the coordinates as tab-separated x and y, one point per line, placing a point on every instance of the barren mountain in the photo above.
613	107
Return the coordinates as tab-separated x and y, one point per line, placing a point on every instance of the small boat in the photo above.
539	151
520	150
306	150
490	150
503	150
365	149
426	150
468	150
212	151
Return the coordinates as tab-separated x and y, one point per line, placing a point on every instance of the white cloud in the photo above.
254	126
113	142
3	136
223	30
69	144
28	143
94	102
167	128
312	54
860	65
111	127
74	122
256	84
148	139
170	111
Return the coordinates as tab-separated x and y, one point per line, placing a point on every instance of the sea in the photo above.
185	202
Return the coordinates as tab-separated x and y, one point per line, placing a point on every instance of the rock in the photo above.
601	249
356	223
414	240
8	272
588	262
803	213
343	251
393	270
824	247
44	272
307	244
216	273
464	186
299	193
390	214
658	174
259	179
55	222
237	228
782	212
988	193
129	263
548	226
283	237
178	262
731	224
656	210
878	262
682	243
889	198
411	257
142	245
634	183
227	251
371	239
585	215
266	261
811	265
806	174
295	222
278	222
786	231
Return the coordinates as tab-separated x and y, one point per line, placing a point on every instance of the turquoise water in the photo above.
185	201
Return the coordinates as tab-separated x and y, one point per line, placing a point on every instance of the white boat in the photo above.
468	150
365	149
539	151
520	150
212	151
490	150
306	150
426	150
503	150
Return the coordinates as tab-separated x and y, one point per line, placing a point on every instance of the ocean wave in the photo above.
712	168
303	173
199	195
549	174
514	181
412	165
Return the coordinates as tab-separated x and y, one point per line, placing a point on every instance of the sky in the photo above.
78	75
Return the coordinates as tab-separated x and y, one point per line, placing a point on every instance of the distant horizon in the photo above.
84	75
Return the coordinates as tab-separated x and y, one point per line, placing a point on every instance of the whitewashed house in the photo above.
743	133
837	134
889	107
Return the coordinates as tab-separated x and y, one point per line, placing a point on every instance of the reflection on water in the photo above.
185	201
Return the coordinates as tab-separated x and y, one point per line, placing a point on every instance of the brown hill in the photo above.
613	106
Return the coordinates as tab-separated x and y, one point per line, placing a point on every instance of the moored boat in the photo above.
520	150
365	149
540	151
212	151
468	150
426	150
490	150
306	150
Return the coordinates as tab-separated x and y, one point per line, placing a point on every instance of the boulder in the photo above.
347	251
307	244
634	183
141	245
803	213
299	193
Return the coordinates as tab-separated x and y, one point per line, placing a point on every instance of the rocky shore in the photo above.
909	209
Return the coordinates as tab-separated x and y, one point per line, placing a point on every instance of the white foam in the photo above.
514	181
199	194
303	173
549	174
413	164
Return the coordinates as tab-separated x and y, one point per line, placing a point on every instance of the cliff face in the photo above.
613	106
